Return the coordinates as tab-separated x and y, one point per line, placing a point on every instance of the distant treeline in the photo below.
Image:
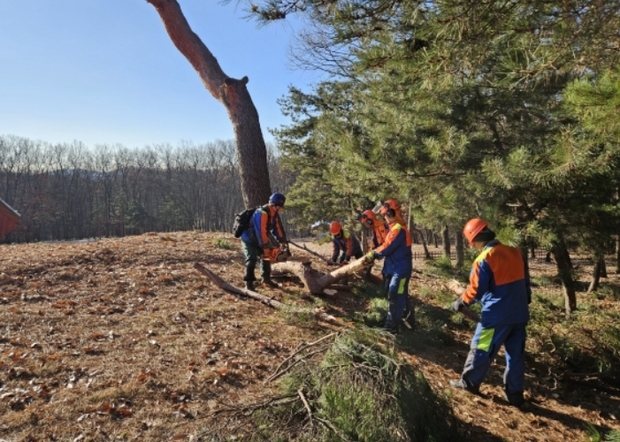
69	191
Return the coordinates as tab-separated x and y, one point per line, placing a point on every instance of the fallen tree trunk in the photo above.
232	289
316	282
264	299
306	249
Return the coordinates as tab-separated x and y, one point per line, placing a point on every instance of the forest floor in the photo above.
122	339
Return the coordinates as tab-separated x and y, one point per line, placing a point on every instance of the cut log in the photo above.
264	299
313	280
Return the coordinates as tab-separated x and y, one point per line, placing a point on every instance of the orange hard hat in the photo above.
335	228
368	215
389	204
473	227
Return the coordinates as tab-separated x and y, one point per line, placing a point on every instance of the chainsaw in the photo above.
281	254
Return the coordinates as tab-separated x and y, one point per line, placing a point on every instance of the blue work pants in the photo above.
485	344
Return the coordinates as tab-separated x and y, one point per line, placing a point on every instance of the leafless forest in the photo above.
70	191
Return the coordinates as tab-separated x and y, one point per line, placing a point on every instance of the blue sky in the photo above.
106	72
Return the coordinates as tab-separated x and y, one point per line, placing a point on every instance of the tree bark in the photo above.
257	296
232	93
460	251
564	266
597	274
427	254
445	237
314	281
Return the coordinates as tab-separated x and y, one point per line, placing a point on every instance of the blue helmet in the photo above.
277	199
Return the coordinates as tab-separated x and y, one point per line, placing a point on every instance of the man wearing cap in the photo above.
500	281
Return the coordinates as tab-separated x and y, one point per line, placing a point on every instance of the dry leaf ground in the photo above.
121	339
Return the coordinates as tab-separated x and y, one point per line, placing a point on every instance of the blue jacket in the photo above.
500	281
264	223
396	249
348	245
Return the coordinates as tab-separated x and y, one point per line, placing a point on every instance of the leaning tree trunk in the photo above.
564	266
427	254
233	94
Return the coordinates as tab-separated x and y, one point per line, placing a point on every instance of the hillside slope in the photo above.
121	339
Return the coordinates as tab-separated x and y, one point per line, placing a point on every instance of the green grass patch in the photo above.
222	243
359	391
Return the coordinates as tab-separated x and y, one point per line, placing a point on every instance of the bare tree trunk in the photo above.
232	93
445	236
596	275
562	260
427	254
460	250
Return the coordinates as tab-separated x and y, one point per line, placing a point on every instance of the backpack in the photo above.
242	221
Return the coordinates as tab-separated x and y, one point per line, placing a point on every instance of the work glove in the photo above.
458	304
370	256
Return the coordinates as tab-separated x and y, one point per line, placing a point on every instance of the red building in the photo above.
9	218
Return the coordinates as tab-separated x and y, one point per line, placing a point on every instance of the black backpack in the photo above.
242	221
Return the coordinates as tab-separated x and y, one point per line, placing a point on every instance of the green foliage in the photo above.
297	317
222	243
359	391
593	433
377	307
442	265
442	268
608	291
507	112
374	315
589	340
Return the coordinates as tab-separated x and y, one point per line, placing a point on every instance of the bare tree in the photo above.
232	93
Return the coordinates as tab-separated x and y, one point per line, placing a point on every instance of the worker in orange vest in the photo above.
346	245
